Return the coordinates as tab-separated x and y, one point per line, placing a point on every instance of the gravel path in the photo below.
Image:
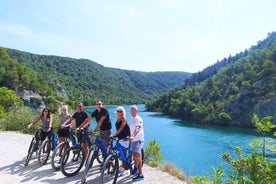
12	170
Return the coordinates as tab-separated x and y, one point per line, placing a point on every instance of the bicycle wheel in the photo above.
44	152
143	156
58	153
88	165
72	161
110	170
99	156
30	152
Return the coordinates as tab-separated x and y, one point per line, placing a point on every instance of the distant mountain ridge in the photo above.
85	80
228	92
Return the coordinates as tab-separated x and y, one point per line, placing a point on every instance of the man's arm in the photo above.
99	124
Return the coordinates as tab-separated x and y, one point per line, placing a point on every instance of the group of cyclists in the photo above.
125	132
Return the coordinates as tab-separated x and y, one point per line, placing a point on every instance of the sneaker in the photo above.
138	177
134	171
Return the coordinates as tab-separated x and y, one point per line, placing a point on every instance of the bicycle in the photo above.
110	168
97	151
60	150
47	145
34	146
74	157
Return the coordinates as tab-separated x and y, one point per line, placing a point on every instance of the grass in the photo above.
173	170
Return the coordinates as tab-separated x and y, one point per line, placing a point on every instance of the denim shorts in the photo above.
137	146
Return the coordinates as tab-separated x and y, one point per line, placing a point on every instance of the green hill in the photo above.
229	92
87	81
15	78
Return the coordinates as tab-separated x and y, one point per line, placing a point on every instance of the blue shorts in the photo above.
137	146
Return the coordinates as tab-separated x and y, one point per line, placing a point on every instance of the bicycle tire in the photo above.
30	152
44	152
71	163
58	153
88	165
110	169
99	156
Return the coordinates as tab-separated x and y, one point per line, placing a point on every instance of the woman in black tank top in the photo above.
122	128
122	132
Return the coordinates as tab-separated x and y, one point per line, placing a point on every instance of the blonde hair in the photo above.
64	107
121	108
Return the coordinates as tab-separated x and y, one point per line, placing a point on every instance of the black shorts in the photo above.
43	135
63	132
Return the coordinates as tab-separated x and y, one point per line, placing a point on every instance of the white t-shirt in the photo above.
134	122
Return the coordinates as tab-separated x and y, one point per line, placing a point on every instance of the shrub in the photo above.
152	154
17	120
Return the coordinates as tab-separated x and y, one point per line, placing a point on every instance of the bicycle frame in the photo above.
47	145
110	168
101	146
126	159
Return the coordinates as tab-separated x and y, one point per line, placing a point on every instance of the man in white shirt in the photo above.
137	141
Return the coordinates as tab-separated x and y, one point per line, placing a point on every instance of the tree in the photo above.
263	126
152	154
8	100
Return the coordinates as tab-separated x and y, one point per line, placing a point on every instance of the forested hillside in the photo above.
229	92
16	77
87	81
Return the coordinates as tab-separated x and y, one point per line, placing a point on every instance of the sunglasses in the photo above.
119	111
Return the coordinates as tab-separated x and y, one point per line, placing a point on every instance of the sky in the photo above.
141	35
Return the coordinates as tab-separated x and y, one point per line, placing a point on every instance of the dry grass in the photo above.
173	170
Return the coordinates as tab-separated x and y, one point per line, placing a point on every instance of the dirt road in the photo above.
12	170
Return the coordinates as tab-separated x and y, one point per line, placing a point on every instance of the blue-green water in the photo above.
190	146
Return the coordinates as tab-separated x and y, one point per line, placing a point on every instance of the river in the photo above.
190	146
